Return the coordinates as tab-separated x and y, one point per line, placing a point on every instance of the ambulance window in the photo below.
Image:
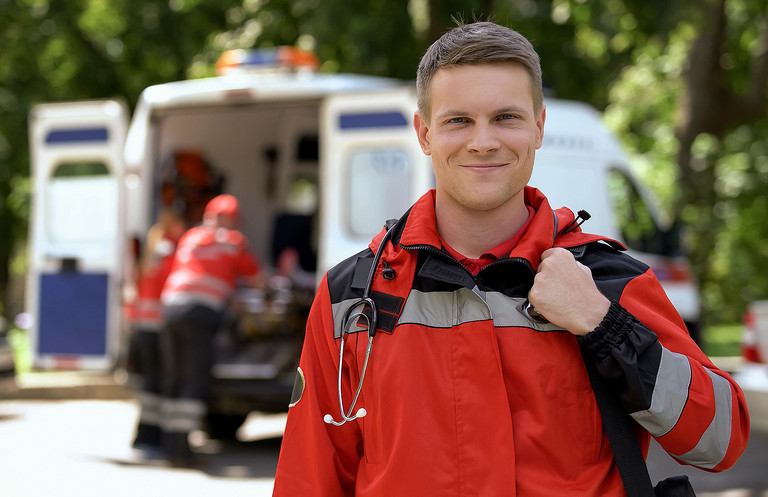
634	218
81	203
378	188
70	169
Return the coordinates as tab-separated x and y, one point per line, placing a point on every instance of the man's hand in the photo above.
565	294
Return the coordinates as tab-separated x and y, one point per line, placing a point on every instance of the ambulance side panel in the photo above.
372	168
76	233
581	165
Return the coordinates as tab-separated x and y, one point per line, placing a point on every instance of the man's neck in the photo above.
473	233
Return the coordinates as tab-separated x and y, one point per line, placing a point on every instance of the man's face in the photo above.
482	133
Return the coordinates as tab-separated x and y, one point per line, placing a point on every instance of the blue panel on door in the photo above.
73	314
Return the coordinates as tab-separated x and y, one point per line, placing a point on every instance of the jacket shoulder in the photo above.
612	269
608	253
347	279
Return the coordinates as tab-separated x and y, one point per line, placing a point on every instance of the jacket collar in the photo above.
418	228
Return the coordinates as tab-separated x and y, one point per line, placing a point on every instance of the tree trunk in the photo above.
710	106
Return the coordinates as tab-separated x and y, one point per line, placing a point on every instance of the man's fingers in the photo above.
584	268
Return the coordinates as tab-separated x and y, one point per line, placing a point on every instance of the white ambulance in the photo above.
318	162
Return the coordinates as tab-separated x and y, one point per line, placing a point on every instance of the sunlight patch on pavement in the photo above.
259	426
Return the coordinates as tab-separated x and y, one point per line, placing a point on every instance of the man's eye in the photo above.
507	116
457	120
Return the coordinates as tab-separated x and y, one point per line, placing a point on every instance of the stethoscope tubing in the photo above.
346	415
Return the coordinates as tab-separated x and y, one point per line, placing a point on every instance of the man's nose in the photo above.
484	138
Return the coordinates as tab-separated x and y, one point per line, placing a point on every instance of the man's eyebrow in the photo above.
511	109
452	113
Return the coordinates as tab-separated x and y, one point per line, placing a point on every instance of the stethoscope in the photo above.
355	313
352	318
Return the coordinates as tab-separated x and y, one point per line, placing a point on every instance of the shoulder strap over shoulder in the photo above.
619	427
388	306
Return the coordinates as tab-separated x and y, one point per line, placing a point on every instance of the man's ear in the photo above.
540	124
422	132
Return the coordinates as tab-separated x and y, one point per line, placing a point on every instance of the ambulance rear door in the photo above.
76	234
372	168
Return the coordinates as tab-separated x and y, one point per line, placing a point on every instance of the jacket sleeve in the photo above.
696	412
317	458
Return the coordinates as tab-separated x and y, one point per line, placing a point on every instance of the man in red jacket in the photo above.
209	261
476	385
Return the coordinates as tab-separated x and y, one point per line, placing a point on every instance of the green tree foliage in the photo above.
694	111
83	49
654	66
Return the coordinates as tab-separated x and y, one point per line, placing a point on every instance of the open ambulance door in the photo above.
76	230
372	168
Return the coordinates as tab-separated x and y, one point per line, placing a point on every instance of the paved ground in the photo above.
249	466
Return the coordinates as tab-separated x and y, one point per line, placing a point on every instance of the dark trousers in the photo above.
146	365
187	352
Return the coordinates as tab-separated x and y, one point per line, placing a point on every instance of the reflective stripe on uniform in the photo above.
148	324
199	298
448	309
147	305
714	442
670	393
183	279
182	415
186	287
150	408
147	314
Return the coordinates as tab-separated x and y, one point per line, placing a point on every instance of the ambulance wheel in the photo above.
224	426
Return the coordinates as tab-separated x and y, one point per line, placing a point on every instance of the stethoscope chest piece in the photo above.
353	317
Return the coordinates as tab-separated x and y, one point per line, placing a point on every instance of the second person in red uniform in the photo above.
210	262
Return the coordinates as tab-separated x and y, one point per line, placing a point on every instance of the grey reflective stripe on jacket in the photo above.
446	309
670	394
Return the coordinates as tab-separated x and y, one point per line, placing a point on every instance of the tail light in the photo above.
750	346
673	270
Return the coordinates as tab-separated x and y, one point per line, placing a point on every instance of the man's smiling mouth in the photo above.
485	166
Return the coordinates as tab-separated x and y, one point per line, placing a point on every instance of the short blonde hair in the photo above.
478	43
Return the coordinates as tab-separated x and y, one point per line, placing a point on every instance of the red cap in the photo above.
224	204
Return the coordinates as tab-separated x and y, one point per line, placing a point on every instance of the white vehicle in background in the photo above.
752	373
581	165
318	161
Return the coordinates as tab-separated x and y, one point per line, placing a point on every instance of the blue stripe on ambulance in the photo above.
79	135
391	119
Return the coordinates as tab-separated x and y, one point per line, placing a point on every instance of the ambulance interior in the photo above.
264	154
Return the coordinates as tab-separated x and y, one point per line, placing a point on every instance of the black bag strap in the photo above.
619	426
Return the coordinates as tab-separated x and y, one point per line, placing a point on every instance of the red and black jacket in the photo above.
467	395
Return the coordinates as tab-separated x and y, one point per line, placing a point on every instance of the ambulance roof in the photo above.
236	88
